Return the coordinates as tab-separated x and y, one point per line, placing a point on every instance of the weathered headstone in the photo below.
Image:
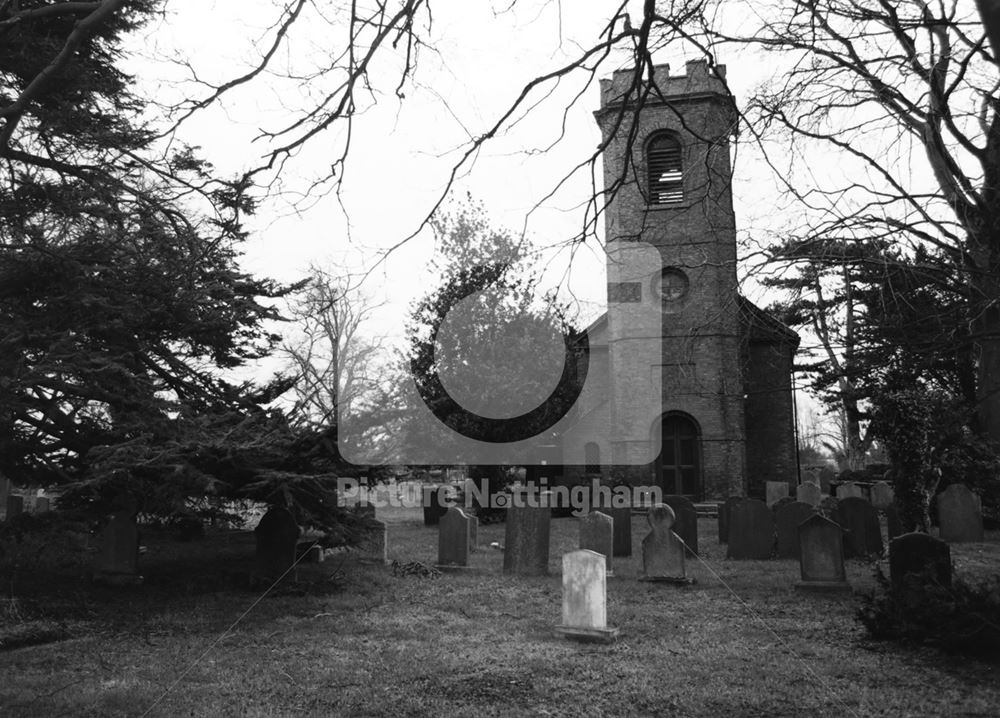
882	495
821	555
374	548
662	551
15	506
622	529
42	505
960	514
117	559
685	521
584	599
434	509
276	535
725	509
787	520
809	493
922	554
454	534
526	544
775	490
849	489
863	533
751	530
597	534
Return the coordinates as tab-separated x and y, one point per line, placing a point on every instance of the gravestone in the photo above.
751	530
526	546
960	514
662	551
276	535
775	490
685	521
821	555
454	534
42	505
597	534
117	560
863	534
434	509
882	495
919	553
809	493
894	526
828	506
849	489
622	529
826	477
15	506
473	533
787	520
584	598
783	501
725	508
374	548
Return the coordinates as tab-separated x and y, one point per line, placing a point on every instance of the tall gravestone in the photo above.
276	536
920	554
686	521
775	490
622	529
526	543
882	495
960	514
863	533
725	509
849	489
597	534
751	530
787	520
454	534
821	555
15	506
117	560
809	493
662	551
584	598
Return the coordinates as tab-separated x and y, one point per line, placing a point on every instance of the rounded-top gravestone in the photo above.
960	514
921	555
859	519
787	520
686	523
751	530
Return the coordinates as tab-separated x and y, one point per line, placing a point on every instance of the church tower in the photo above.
670	171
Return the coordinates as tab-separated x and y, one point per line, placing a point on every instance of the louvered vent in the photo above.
663	162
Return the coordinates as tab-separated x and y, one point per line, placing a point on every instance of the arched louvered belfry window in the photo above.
663	165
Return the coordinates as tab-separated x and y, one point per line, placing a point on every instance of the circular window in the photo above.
671	285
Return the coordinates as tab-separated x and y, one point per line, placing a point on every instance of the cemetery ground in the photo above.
349	638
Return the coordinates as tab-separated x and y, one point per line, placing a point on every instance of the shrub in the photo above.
963	618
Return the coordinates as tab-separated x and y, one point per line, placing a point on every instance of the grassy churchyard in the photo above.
352	639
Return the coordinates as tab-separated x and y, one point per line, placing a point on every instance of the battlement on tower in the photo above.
699	79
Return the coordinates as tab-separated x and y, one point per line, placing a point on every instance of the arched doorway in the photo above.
678	468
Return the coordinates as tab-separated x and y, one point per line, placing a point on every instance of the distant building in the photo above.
725	419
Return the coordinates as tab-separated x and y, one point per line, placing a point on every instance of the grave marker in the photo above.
809	493
859	519
821	555
277	535
584	600
597	535
725	509
375	546
526	544
15	506
919	553
882	495
117	561
662	551
849	489
775	490
751	530
42	505
622	529
454	534
960	514
787	520
685	521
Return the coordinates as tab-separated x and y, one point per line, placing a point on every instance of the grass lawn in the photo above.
354	640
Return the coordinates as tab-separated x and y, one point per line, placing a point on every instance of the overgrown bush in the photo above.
962	618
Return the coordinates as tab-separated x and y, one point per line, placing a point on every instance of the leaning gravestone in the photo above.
597	534
960	514
921	554
686	521
809	493
849	489
751	530
882	495
526	543
276	535
821	555
15	506
863	534
775	490
787	520
454	533
117	560
725	509
584	599
662	551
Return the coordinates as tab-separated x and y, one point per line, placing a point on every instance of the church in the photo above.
722	412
